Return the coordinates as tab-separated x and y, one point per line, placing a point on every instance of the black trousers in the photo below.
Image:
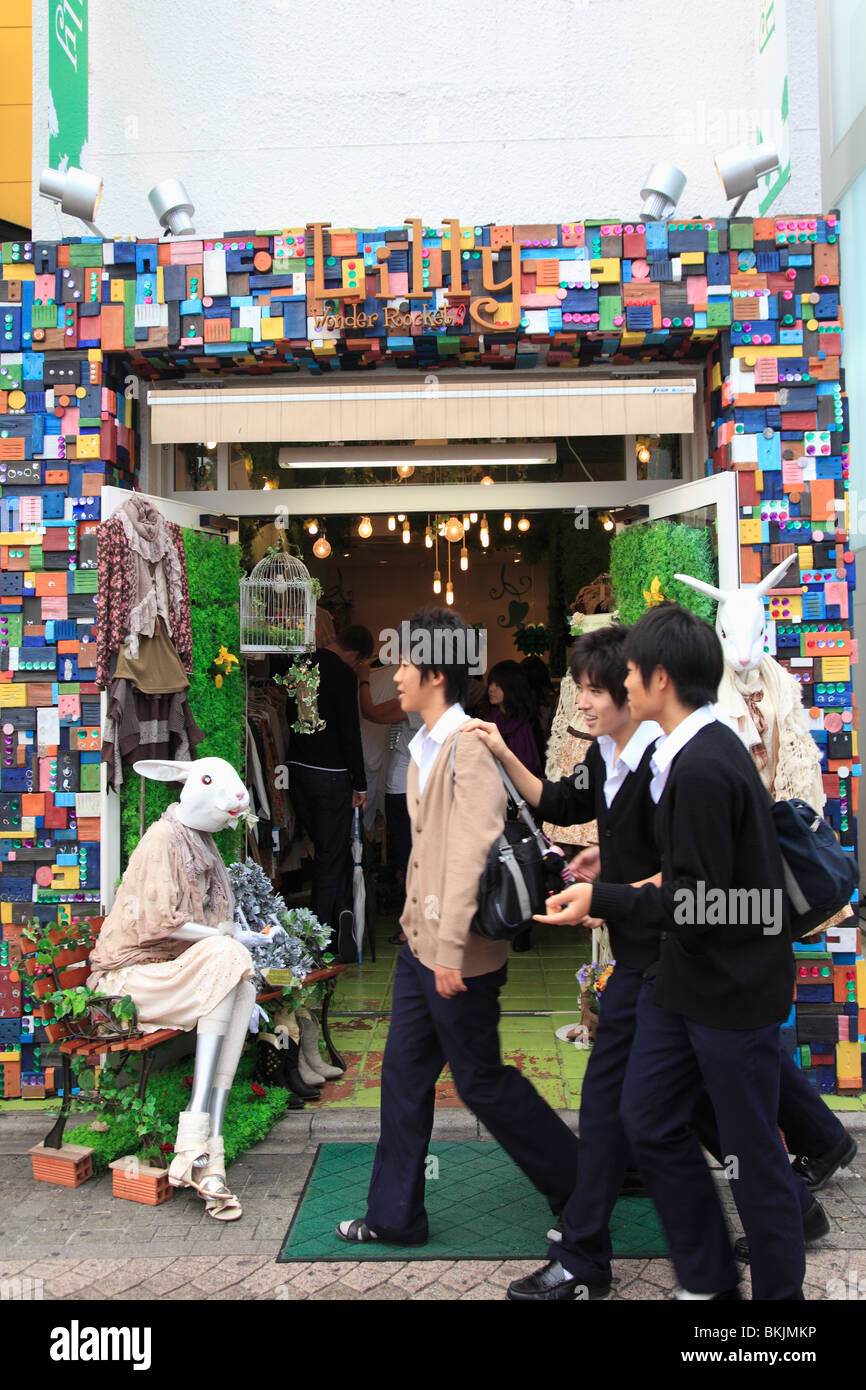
323	804
426	1031
672	1060
399	828
604	1153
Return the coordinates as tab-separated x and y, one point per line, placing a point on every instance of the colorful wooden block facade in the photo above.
755	303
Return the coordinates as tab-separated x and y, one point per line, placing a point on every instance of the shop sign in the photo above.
67	82
483	313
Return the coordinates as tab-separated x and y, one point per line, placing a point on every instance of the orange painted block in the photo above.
12	448
750	565
831	343
87	657
50	584
765	229
68	648
799	420
32	804
111	319
92	484
88	829
826	261
822	492
217	330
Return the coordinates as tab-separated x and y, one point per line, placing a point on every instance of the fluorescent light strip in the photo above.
624	388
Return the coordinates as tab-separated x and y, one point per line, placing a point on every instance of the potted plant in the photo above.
142	1176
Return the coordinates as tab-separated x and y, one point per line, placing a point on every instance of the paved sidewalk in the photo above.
84	1244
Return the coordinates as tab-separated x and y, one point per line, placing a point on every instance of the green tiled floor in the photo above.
541	995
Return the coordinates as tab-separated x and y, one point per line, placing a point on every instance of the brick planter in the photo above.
140	1182
68	1166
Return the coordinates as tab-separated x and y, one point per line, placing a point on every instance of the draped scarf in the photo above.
151	544
200	857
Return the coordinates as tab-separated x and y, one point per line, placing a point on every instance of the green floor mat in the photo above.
479	1205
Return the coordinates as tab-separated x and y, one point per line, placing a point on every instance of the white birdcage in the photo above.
278	610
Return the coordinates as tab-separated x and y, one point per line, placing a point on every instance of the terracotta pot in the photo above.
68	1166
75	976
140	1182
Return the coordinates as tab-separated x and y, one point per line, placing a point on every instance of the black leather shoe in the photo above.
552	1282
817	1172
815	1226
632	1185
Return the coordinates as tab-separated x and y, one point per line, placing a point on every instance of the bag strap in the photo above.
519	801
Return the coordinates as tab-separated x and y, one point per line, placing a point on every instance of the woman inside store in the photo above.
511	707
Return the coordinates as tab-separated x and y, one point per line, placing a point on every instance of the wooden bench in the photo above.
73	970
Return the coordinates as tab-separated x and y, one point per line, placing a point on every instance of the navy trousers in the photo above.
672	1059
808	1124
426	1031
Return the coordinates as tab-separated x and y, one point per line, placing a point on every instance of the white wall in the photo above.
275	114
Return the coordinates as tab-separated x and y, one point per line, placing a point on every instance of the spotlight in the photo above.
437	582
407	534
464	558
77	192
506	522
740	168
170	201
365	528
661	192
523	524
312	527
322	548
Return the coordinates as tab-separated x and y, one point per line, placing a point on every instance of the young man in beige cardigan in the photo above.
446	991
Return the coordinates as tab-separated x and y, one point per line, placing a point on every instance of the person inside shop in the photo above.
327	780
545	696
615	791
510	706
711	1016
446	991
375	685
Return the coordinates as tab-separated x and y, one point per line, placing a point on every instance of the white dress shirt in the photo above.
427	743
674	743
629	759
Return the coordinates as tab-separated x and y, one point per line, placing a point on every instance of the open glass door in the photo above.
709	502
189	519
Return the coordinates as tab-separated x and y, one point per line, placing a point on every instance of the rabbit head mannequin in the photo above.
168	943
760	698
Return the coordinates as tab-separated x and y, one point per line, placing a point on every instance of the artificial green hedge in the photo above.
661	548
213	572
248	1117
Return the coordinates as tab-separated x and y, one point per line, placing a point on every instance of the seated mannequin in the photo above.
168	943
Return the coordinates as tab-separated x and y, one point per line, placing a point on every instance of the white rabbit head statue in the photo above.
740	620
213	795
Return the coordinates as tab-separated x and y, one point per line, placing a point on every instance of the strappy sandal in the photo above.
191	1144
355	1231
220	1202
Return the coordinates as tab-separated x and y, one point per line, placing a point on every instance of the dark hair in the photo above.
449	661
518	701
356	639
538	676
684	646
600	658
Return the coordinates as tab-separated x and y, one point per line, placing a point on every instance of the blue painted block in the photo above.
769	452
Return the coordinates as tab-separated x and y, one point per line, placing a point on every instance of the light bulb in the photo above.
428	538
313	527
608	523
322	548
437	582
365	528
453	530
487	481
473	517
449	592
407	534
392	523
466	521
401	516
211	444
506	522
523	524
484	533
464	558
405	470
